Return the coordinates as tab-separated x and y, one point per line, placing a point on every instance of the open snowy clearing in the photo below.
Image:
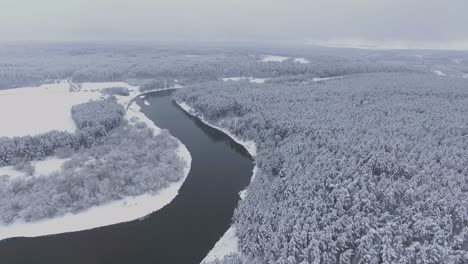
41	168
123	210
440	73
465	76
250	79
301	60
9	171
273	58
326	78
49	165
36	110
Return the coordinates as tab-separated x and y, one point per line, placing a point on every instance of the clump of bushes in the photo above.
96	114
123	91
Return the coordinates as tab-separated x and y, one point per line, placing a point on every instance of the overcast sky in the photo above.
379	21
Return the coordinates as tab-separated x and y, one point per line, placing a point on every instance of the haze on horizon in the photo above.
393	23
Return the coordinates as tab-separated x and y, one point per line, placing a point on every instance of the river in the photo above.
182	232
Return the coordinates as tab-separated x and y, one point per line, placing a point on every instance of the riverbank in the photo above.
228	243
124	210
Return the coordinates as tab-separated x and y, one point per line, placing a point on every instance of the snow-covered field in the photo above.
228	243
465	76
35	110
250	79
273	58
326	78
301	60
440	73
57	101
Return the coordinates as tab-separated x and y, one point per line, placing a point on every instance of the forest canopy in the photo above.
370	168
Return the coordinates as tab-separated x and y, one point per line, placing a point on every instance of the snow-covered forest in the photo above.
156	67
128	162
362	155
106	159
371	168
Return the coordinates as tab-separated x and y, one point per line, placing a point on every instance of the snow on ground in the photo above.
440	73
248	144
250	79
273	58
257	80
10	171
146	103
41	168
124	210
226	245
243	193
234	79
465	75
301	60
192	56
457	61
326	78
48	165
35	110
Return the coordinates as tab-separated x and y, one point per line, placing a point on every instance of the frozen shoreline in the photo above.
228	243
124	210
249	145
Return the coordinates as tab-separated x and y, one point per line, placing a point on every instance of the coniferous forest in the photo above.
362	155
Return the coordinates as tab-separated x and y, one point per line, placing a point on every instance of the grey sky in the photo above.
280	20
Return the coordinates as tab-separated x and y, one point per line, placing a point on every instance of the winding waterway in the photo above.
183	231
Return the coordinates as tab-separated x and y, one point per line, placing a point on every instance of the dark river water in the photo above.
183	231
